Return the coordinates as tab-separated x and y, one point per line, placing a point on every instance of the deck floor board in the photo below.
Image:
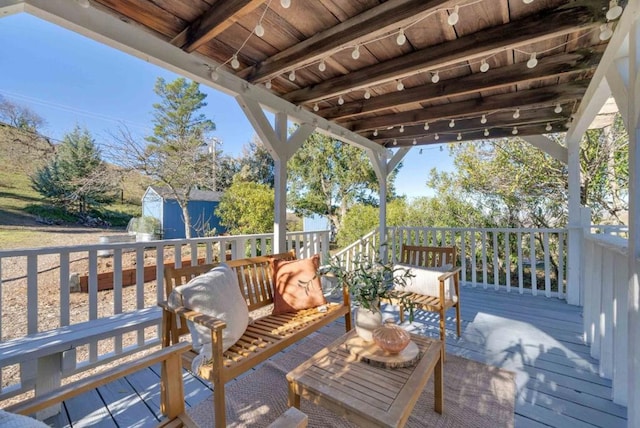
538	338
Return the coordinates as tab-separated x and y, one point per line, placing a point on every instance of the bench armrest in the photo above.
208	321
448	274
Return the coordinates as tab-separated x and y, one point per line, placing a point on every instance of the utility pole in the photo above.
212	147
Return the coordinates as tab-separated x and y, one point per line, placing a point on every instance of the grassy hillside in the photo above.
21	154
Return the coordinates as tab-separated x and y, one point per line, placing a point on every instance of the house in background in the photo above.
158	202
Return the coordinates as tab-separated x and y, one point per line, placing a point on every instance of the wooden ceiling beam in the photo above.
554	23
551	66
531	98
505	118
213	22
537	129
389	16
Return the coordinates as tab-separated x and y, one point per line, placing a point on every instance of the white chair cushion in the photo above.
215	293
426	281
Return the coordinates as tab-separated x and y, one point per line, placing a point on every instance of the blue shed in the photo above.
158	202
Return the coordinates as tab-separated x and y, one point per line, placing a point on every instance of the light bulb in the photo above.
235	64
605	31
483	120
527	1
367	94
285	3
395	142
267	84
435	78
558	108
375	132
259	30
614	11
356	52
400	85
515	130
83	3
401	39
533	61
452	124
516	114
486	132
453	18
459	137
340	100
414	142
401	128
548	127
322	66
316	107
437	137
484	66
426	126
292	75
214	74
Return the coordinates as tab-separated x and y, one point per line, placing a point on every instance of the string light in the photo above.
437	137
548	127
395	142
322	66
367	94
515	130
452	124
292	75
316	107
375	132
401	129
214	74
259	30
614	11
533	61
527	1
459	137
285	3
483	120
267	84
414	142
426	126
401	39
605	31
486	132
235	64
454	17
516	114
435	78
356	52
484	66
400	85
340	100
83	3
558	108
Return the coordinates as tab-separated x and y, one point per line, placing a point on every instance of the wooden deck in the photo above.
536	337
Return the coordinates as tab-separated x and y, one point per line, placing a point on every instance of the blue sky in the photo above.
69	79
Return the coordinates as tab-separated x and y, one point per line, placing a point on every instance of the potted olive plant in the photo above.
371	282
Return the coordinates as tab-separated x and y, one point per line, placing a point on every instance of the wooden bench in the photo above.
263	338
172	404
45	350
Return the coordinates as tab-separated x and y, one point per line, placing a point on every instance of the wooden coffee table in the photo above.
365	394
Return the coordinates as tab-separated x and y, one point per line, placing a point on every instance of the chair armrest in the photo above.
208	321
448	274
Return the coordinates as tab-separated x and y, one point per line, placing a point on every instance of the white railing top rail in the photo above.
488	229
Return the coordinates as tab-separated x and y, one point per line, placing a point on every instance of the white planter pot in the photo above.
366	321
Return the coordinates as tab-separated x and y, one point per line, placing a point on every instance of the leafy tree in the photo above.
247	208
176	154
256	164
76	178
327	177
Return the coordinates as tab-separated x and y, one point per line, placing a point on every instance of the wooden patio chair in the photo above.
434	258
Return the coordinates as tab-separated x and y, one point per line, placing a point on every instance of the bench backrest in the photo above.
427	256
255	277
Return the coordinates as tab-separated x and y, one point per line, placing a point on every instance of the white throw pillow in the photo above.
426	281
215	293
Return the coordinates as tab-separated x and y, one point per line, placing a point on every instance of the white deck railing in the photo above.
509	259
41	297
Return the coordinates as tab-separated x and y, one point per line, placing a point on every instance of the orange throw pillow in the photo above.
297	285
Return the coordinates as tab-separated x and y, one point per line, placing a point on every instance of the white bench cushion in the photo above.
426	281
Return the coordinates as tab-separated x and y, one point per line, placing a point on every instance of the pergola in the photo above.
390	75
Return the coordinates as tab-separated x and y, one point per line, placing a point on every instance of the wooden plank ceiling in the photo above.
397	71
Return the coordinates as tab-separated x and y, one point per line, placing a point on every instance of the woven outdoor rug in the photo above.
476	395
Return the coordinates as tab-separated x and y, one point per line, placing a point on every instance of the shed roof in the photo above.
194	195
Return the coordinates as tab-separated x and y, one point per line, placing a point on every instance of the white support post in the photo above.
548	146
574	246
633	410
280	188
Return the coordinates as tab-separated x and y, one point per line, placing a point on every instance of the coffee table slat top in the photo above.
364	393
